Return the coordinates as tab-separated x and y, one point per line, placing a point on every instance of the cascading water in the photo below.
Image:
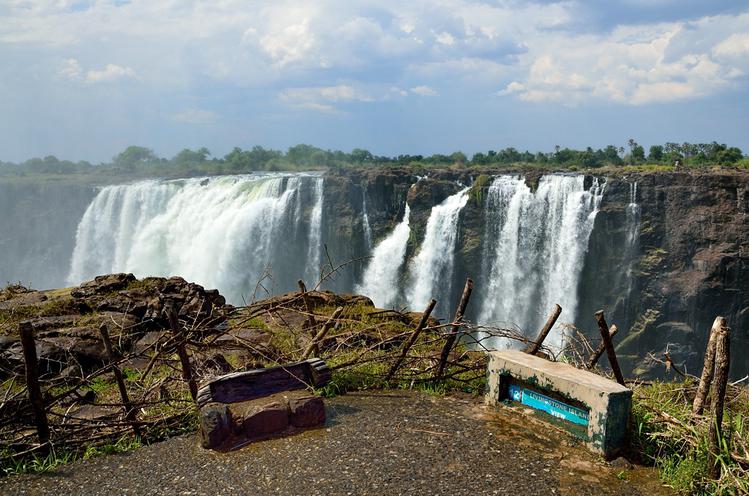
365	221
536	242
431	270
381	277
221	232
315	236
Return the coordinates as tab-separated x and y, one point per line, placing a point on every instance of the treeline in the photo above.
138	160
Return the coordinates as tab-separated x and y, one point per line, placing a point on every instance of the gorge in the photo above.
661	253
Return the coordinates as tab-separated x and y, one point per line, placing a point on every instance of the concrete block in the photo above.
579	398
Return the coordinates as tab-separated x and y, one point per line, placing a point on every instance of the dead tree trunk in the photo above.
545	330
184	360
459	312
32	382
412	339
130	412
604	328
722	364
311	323
708	368
321	335
601	348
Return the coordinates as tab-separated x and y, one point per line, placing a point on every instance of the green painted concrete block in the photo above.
566	393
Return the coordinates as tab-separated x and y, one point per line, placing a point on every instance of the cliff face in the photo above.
686	262
668	252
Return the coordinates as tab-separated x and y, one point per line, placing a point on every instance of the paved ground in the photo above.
381	443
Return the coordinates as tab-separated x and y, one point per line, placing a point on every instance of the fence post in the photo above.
320	335
606	336
722	364
130	412
467	289
179	339
708	368
32	381
308	305
411	340
601	348
545	330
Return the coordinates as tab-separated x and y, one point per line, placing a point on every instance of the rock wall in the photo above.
690	264
661	271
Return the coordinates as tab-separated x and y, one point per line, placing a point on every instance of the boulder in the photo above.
263	420
308	411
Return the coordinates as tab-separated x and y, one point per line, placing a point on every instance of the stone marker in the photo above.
246	406
587	404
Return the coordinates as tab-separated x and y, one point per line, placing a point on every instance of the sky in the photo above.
83	79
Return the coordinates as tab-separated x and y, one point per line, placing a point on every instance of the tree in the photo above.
656	153
134	156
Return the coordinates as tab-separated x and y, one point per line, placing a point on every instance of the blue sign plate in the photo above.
549	405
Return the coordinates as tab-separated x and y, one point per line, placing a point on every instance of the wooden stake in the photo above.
601	348
311	323
182	351
722	365
604	328
459	312
545	330
320	335
411	340
32	381
130	412
708	368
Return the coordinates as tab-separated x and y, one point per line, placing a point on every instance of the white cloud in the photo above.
424	91
111	72
634	65
72	70
535	51
195	116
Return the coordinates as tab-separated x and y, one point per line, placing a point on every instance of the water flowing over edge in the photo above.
223	232
535	250
381	279
430	271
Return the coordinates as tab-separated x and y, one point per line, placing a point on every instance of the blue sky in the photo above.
84	79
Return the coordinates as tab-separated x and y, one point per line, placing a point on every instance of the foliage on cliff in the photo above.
138	161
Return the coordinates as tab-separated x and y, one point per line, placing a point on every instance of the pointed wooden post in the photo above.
708	367
320	335
722	365
32	382
459	312
412	339
601	348
545	330
184	360
606	336
311	323
130	412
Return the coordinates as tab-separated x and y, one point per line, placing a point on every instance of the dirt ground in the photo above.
395	442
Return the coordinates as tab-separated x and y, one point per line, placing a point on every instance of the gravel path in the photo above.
381	443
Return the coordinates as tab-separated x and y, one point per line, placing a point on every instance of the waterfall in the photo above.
536	247
312	274
220	232
365	221
431	270
381	277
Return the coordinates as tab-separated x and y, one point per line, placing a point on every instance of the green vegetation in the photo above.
663	434
139	162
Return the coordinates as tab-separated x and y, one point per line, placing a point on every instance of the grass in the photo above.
679	448
56	457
